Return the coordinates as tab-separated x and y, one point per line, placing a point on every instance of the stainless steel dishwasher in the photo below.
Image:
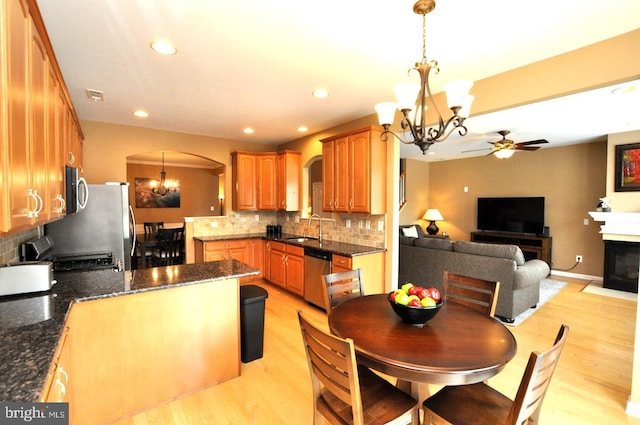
317	263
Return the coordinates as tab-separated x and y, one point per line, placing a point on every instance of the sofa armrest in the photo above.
533	271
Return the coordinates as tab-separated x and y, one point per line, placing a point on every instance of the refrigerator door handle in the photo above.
133	221
82	201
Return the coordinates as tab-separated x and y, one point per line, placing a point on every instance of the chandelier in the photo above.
165	185
412	99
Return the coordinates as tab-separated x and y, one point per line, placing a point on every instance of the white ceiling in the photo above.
255	63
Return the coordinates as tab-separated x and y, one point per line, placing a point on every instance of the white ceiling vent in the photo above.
95	95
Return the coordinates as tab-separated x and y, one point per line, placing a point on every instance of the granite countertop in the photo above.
31	325
340	248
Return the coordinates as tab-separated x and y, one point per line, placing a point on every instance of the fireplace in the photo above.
621	265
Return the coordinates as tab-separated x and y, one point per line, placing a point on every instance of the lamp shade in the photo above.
386	112
458	93
432	215
406	95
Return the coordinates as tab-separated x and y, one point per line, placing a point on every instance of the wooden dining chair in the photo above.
341	286
151	227
169	248
479	294
346	393
479	404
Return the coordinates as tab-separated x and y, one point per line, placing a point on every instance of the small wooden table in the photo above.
145	241
458	346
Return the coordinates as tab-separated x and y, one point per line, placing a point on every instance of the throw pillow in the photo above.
410	232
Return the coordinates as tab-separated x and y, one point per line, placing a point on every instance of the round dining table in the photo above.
458	346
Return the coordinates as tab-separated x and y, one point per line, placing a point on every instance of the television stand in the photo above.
532	246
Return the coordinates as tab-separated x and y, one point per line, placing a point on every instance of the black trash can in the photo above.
252	299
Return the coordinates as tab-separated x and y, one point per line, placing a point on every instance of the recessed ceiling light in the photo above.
320	93
163	47
248	130
303	129
141	114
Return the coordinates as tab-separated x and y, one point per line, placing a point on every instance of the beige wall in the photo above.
107	146
621	201
417	193
571	179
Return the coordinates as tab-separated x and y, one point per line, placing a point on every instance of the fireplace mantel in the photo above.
618	226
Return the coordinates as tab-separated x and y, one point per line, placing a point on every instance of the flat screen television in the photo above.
516	215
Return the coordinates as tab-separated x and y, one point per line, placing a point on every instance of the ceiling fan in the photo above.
505	148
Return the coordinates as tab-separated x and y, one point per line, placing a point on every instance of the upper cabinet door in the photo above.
354	168
360	172
289	181
267	193
244	181
17	44
328	173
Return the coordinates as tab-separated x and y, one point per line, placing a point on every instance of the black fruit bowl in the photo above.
415	315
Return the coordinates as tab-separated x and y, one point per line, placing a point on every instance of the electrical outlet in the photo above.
348	223
578	258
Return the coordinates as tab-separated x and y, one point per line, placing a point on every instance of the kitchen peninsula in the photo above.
114	343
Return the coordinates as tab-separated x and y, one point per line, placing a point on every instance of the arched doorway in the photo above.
195	185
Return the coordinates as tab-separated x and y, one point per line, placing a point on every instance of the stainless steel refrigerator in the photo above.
105	228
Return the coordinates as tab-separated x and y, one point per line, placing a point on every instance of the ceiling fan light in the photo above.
406	95
458	93
504	153
386	112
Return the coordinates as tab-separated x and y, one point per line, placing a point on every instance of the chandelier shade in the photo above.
411	100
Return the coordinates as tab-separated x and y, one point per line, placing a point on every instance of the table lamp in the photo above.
432	215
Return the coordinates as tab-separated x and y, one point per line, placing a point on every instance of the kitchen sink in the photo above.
302	238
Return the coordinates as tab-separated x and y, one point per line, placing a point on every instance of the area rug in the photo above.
548	289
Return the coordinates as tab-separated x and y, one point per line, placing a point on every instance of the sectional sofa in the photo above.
423	259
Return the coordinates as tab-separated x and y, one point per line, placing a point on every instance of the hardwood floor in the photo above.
591	384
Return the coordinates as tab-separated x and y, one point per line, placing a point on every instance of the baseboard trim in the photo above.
576	275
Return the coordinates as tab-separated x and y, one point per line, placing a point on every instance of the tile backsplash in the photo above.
10	245
359	229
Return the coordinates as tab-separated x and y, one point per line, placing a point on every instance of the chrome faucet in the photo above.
319	225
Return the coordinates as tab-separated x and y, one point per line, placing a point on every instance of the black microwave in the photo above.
75	190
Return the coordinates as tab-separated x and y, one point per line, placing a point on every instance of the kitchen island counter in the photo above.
31	325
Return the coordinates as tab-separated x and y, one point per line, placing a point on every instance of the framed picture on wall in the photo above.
627	168
151	194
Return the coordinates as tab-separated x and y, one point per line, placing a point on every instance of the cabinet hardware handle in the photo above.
64	372
72	158
63	203
63	389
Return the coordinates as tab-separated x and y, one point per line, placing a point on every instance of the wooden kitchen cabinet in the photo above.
32	175
256	258
354	172
237	249
266	180
287	266
288	180
243	175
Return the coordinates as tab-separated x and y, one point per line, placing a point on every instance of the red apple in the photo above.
435	294
424	293
414	290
